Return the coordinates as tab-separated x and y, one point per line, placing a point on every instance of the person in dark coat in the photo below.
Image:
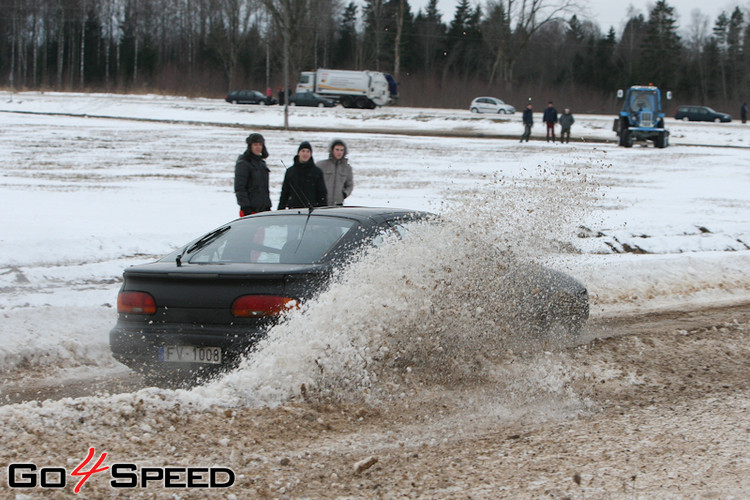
743	112
528	121
251	177
550	118
566	121
304	185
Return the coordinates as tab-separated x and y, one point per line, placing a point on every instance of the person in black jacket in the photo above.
304	185
251	177
528	121
550	118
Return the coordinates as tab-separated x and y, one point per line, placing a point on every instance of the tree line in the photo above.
513	49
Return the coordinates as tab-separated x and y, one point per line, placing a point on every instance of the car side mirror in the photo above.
669	95
620	93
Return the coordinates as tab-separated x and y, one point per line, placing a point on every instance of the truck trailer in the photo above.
353	89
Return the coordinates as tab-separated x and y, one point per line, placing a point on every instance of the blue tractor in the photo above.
641	117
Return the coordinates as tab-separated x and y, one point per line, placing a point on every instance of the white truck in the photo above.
353	89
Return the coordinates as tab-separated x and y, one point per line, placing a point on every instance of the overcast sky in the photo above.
614	13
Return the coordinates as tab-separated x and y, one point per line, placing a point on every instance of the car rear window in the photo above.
293	239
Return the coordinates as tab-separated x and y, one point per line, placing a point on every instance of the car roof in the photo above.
349	211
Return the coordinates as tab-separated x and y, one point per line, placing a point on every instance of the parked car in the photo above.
491	105
700	114
200	308
310	99
249	97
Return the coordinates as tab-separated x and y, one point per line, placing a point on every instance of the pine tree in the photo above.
661	47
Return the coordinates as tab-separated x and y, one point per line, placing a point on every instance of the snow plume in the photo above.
535	214
442	306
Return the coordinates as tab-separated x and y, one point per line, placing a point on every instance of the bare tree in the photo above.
697	36
397	45
230	25
522	18
288	16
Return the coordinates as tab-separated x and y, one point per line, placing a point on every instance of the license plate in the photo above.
190	354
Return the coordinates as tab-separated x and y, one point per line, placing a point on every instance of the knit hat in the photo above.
256	138
304	145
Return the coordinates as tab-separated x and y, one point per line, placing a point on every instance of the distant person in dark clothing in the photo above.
304	185
550	118
566	121
251	177
743	112
528	121
281	96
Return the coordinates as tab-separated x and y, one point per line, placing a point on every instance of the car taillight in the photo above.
135	303
255	306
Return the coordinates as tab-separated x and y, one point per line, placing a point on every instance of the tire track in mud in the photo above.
33	385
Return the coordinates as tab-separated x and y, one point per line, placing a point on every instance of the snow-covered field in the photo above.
94	183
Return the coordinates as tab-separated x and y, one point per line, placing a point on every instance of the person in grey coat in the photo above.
337	173
566	121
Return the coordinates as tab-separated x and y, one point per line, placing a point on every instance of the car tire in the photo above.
500	111
474	110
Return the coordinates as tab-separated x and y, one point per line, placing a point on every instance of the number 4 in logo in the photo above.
85	475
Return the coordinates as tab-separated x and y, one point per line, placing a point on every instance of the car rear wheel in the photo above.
474	110
500	111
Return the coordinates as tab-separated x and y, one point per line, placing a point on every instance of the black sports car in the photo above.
203	306
310	99
249	97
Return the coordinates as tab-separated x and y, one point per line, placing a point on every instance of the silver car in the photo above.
491	105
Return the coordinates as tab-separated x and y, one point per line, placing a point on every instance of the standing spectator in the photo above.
566	121
743	112
528	121
251	177
337	173
550	118
281	96
303	185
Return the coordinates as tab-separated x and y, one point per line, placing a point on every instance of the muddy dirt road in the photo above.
654	406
